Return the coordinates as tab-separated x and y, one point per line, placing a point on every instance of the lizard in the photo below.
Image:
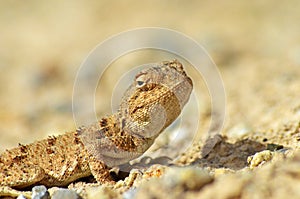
150	104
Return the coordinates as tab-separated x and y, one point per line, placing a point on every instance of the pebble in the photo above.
40	192
239	131
130	193
174	183
262	157
190	178
65	193
21	197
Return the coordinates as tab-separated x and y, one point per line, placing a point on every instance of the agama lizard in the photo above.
152	102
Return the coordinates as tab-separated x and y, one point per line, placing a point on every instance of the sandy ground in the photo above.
254	44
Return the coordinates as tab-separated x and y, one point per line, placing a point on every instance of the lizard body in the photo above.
152	102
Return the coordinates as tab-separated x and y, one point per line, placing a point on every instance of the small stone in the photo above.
40	192
265	156
274	147
102	191
222	171
130	193
21	197
190	178
174	183
239	131
65	193
259	158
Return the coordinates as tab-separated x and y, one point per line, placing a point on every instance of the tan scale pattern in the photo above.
114	140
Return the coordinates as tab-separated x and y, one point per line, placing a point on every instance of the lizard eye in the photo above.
140	84
141	81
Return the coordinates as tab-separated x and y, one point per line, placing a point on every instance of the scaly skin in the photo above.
152	102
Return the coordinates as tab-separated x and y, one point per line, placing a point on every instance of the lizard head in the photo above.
151	103
155	99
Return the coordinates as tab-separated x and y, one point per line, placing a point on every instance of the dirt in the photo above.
255	46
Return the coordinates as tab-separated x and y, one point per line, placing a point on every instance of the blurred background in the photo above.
255	44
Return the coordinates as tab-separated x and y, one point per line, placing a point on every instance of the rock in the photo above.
190	178
130	193
239	131
21	197
174	183
40	192
66	194
263	157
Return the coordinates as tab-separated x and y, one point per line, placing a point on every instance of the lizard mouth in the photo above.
189	80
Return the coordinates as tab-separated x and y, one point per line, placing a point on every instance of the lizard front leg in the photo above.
100	171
